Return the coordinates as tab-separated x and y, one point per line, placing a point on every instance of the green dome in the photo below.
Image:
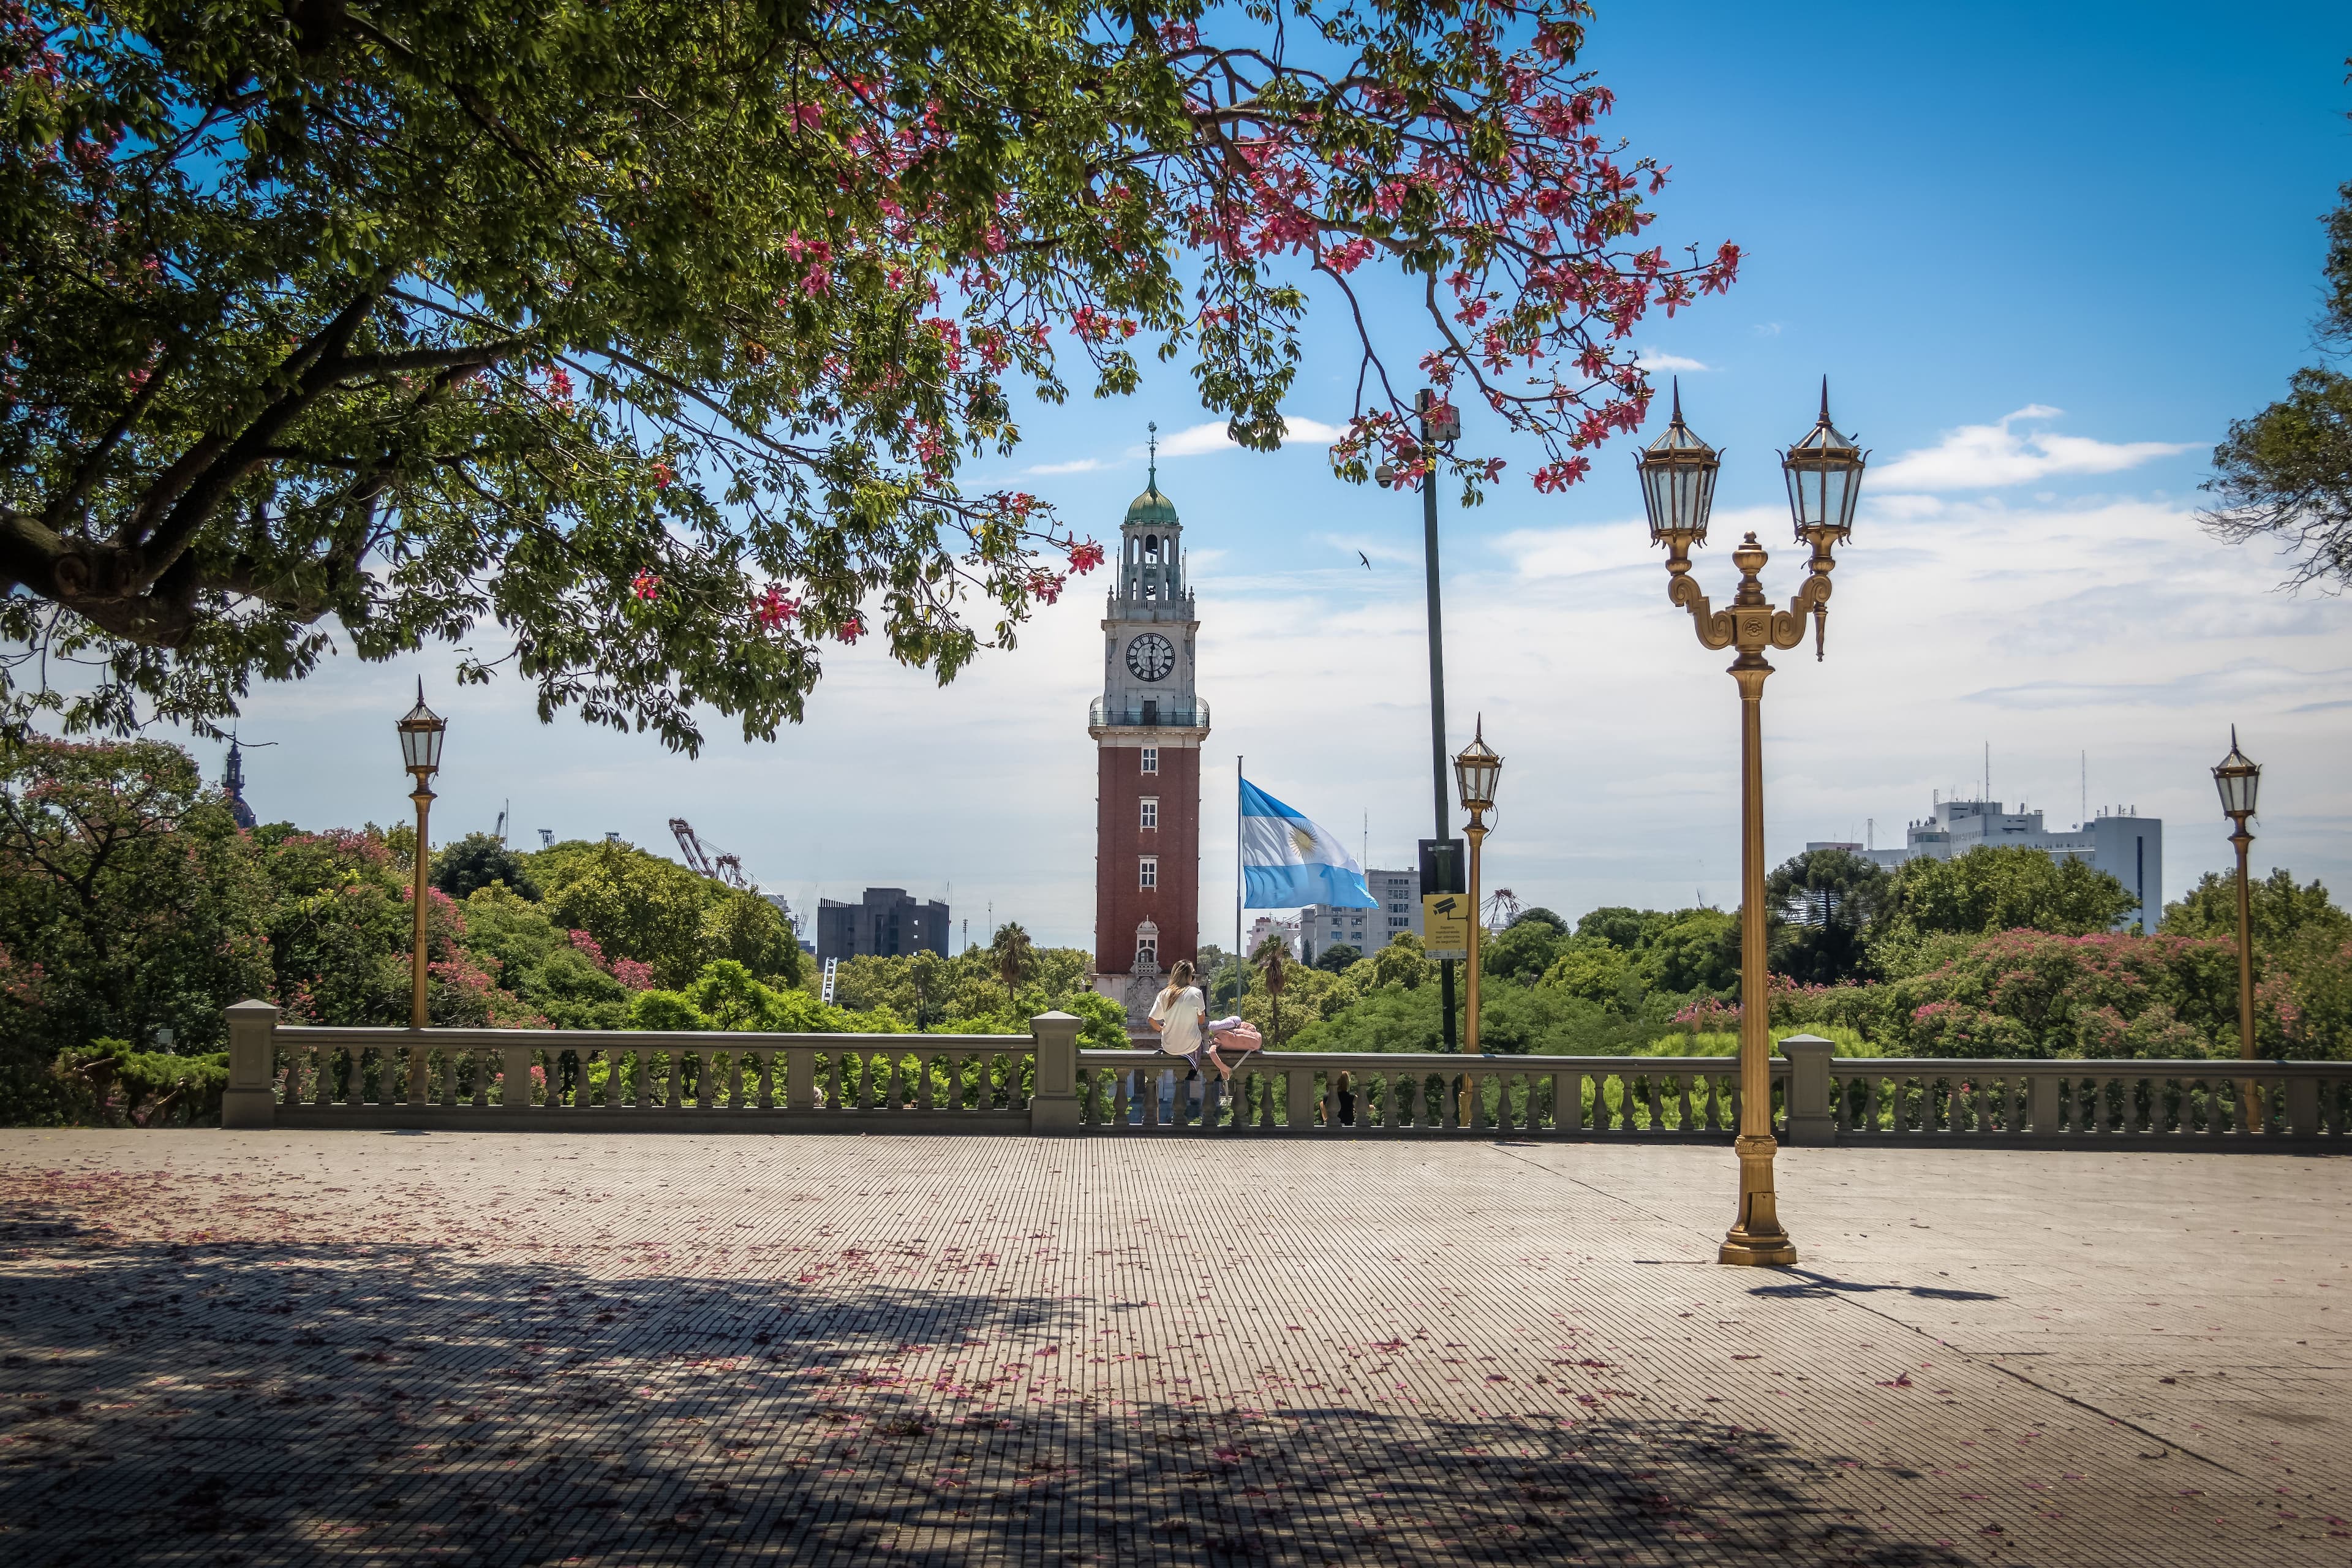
1151	507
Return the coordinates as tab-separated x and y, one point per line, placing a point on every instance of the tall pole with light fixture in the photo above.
1475	773
420	753
1824	477
2239	780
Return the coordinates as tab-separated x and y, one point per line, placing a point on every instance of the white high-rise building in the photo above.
1322	926
2122	843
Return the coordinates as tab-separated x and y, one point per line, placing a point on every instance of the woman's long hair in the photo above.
1178	978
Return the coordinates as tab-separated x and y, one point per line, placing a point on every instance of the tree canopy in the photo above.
2283	910
2285	474
1823	904
2003	887
477	860
640	344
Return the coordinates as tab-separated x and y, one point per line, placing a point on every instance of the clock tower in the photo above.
1148	726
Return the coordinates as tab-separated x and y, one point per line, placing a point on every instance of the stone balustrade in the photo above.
517	1079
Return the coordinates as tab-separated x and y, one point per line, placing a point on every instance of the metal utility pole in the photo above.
1429	439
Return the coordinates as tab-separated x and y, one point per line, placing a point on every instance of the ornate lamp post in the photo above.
420	753
1475	770
1825	476
2239	780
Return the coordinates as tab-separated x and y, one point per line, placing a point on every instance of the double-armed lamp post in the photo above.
1825	476
2239	780
1476	770
420	753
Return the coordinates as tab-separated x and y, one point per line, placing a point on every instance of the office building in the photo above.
1325	926
2119	841
884	923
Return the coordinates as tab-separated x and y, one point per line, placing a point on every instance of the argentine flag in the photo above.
1288	861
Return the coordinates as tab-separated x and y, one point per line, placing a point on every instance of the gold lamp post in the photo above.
1475	770
2239	780
420	753
1824	477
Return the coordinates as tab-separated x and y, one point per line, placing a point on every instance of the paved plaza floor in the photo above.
227	1348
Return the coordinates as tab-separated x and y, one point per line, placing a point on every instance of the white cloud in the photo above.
1981	456
1199	440
1077	466
1655	359
2117	628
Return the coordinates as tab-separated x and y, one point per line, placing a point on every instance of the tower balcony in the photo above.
1189	713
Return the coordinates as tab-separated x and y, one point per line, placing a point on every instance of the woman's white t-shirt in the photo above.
1178	1015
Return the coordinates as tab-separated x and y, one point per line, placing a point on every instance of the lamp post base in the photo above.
1756	1251
1757	1240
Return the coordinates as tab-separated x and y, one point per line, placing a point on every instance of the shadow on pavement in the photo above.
267	1402
1821	1285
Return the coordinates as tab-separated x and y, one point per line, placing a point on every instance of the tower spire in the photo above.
1151	443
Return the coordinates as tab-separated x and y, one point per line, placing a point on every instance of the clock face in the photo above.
1150	656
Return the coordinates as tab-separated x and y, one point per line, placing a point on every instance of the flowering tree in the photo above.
644	341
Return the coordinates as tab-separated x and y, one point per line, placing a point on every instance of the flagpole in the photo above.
1241	969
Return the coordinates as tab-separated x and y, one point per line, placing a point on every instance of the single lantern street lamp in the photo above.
2238	779
420	752
1823	471
1475	770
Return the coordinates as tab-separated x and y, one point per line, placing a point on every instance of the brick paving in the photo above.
297	1348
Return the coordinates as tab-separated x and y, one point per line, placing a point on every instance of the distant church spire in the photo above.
233	786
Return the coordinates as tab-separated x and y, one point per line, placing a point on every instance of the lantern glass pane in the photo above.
412	749
1848	492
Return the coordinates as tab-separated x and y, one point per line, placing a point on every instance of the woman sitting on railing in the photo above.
1176	1014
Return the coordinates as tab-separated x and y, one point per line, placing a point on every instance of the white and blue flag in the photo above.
1288	861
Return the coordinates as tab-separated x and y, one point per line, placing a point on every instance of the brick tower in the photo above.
1148	726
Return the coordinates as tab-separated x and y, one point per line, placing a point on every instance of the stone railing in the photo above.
518	1079
1376	1094
521	1079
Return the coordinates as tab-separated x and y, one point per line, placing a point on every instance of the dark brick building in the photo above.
884	923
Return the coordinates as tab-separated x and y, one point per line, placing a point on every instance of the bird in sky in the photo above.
1365	559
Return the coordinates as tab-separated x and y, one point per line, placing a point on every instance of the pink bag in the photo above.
1240	1037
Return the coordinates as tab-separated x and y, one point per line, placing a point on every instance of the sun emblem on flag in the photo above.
1303	840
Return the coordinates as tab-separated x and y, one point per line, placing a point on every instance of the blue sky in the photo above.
2044	254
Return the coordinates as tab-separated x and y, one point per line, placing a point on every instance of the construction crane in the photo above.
721	867
1502	907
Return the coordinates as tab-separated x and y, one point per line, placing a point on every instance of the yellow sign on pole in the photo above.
1445	924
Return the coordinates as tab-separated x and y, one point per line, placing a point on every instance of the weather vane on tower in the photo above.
1151	443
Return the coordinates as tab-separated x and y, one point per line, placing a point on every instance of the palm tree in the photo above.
1269	960
1010	954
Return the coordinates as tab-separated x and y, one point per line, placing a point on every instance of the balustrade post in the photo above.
2302	1107
1810	1124
1053	1107
2042	1091
1300	1112
514	1088
251	1098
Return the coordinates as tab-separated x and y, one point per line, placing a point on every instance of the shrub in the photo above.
146	1088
